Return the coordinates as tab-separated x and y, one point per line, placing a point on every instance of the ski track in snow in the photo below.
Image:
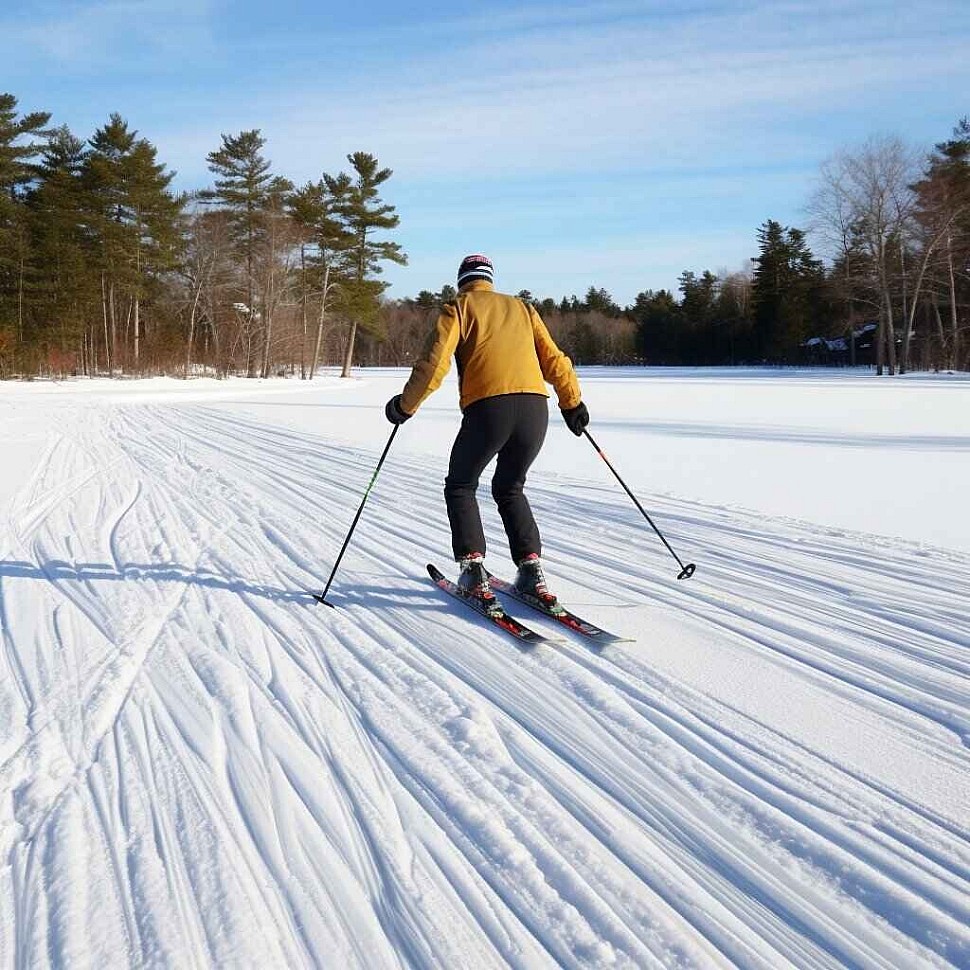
199	766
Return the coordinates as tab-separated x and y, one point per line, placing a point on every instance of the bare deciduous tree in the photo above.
864	202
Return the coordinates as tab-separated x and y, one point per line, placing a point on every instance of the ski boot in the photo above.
473	580
531	581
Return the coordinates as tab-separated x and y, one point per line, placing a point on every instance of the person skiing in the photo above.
505	356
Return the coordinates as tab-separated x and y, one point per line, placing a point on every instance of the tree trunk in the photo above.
349	357
904	360
192	315
267	339
848	300
137	321
269	299
323	310
881	343
20	300
113	316
941	333
104	313
250	354
888	330
954	325
303	310
137	301
890	334
267	349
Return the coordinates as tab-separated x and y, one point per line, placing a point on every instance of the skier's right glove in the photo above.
576	418
393	411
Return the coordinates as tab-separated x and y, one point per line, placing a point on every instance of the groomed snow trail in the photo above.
199	766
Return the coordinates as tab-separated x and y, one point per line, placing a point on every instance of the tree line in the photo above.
104	269
895	292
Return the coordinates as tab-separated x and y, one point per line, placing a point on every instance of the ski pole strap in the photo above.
685	571
322	597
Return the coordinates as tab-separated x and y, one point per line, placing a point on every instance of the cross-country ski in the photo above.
495	615
559	613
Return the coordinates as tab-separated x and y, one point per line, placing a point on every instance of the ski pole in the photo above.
322	597
685	571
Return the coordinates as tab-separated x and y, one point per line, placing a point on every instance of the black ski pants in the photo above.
512	426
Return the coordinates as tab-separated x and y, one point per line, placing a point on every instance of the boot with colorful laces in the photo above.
473	579
531	580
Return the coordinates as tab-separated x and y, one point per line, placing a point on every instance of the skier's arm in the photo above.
557	368
428	373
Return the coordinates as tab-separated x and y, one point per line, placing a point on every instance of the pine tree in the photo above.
243	186
155	214
657	317
697	316
110	220
21	141
787	283
315	209
732	311
364	213
136	220
63	291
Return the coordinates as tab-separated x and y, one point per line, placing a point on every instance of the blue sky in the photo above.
596	143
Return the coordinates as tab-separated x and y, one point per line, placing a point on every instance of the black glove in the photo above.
393	412
576	418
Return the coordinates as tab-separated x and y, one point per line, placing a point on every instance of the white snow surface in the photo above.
202	767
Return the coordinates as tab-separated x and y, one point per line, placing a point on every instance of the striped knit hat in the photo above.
475	267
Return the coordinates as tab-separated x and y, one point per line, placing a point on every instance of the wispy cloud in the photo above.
643	94
99	36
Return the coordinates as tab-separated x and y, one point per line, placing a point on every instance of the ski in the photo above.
498	616
558	613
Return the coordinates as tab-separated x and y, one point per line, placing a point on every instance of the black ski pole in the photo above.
685	571
322	597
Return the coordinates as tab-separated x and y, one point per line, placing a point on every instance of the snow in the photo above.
199	766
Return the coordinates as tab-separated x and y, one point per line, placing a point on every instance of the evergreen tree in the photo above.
364	213
657	317
105	177
600	301
732	311
770	283
243	186
63	290
546	307
788	279
136	221
155	221
21	141
316	209
698	317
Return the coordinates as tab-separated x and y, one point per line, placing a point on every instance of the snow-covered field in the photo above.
201	767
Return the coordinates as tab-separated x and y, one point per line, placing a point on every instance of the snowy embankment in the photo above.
201	767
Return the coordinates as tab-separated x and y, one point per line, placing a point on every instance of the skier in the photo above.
505	356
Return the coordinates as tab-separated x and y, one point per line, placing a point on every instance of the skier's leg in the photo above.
514	460
484	429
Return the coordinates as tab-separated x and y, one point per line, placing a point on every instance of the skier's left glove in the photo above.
393	411
576	418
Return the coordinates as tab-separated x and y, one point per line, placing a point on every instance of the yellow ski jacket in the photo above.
501	346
